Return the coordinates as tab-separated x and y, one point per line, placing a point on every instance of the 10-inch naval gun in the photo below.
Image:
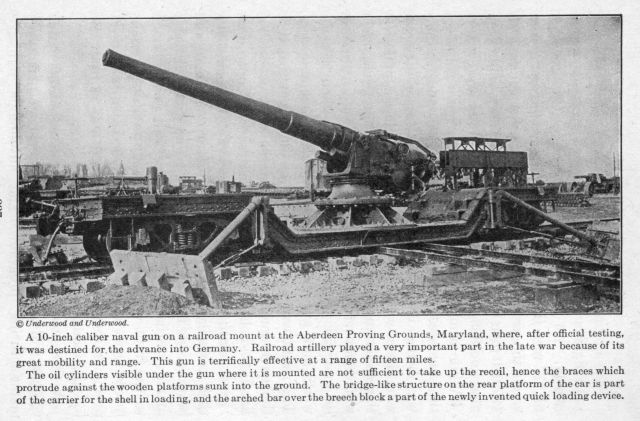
357	163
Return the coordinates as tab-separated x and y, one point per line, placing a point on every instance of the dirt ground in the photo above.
602	207
382	289
365	290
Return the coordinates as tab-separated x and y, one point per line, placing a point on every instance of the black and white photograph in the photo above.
267	166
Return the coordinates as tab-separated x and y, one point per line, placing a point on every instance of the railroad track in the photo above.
64	271
585	272
581	225
586	222
599	274
27	222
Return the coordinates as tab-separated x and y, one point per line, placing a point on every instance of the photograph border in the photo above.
621	147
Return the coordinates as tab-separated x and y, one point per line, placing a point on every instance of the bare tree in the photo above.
101	170
68	172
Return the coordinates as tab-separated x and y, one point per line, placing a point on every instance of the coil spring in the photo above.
185	237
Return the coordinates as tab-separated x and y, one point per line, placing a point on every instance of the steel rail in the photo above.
63	271
518	258
555	272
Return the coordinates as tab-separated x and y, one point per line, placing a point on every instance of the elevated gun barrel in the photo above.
323	134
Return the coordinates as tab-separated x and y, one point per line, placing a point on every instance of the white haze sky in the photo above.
552	84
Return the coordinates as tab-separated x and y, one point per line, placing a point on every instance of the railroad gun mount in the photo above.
593	183
379	196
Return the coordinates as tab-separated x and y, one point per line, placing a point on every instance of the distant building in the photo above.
261	185
190	184
225	186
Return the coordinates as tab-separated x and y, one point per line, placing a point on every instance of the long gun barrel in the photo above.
322	134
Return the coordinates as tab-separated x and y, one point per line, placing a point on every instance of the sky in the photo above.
551	84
